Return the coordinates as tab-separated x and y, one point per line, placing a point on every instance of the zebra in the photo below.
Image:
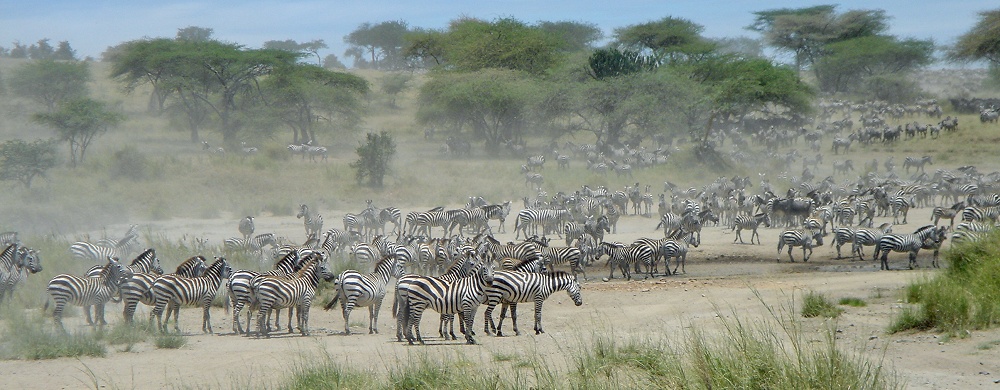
498	212
626	257
7	238
868	237
294	292
678	249
354	289
461	268
314	151
573	230
512	287
532	218
254	245
313	222
462	297
297	149
145	263
15	265
670	222
426	221
65	288
337	240
807	239
900	204
842	236
246	227
917	163
926	236
525	251
84	250
240	291
750	223
138	288
536	179
976	213
552	256
179	290
536	162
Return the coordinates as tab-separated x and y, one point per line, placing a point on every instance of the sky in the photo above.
91	26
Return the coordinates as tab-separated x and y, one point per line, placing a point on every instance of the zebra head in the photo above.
573	289
303	211
29	259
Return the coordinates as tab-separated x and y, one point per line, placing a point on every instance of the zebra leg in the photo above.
503	314
57	315
237	308
805	257
290	310
206	318
913	260
177	317
538	315
86	310
467	318
303	315
99	315
373	315
513	318
346	307
262	322
792	259
415	315
489	328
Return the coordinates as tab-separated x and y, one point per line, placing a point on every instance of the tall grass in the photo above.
773	353
965	296
27	336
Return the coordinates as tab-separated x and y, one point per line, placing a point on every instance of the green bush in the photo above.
852	301
169	341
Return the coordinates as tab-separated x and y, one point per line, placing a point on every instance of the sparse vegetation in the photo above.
26	336
966	296
817	305
853	302
169	341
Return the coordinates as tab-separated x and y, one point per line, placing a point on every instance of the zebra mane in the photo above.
924	228
385	261
144	256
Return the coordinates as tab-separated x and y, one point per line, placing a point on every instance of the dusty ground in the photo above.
721	279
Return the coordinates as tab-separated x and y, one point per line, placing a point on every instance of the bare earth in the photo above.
721	279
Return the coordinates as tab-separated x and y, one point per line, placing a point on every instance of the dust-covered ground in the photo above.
722	280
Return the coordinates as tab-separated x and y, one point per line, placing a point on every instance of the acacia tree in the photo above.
23	161
78	122
300	96
377	46
850	65
982	42
373	159
668	40
311	48
50	82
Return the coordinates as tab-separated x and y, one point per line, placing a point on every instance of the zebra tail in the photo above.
46	307
333	302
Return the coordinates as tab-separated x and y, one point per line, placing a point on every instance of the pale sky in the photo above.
91	26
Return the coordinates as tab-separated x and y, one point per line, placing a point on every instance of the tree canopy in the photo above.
982	42
79	122
23	161
50	82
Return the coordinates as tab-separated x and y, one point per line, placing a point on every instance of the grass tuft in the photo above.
27	336
169	341
817	305
853	302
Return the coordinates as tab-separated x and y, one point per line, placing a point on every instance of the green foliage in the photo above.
964	297
573	36
851	65
395	83
605	63
817	305
374	158
23	161
50	82
853	302
982	42
378	46
78	122
669	38
909	319
505	43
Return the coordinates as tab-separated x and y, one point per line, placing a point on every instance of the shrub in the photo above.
852	301
169	341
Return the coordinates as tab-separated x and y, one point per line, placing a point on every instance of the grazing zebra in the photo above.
246	227
76	290
297	149
917	163
313	222
294	292
241	290
750	223
926	236
536	162
461	297
842	236
573	231
15	264
512	287
552	256
314	151
138	288
354	289
868	237
179	290
807	239
843	167
626	257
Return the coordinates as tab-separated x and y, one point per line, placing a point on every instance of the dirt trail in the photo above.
722	278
